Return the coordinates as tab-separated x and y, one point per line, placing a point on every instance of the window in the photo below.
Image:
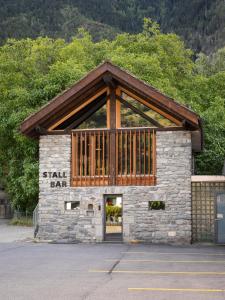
156	205
72	205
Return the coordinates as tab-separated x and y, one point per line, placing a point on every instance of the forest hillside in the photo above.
201	23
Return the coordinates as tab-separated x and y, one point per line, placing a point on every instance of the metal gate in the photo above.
204	195
5	207
5	211
220	218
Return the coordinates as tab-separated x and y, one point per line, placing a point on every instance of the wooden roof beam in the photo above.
87	113
109	81
139	112
151	106
77	109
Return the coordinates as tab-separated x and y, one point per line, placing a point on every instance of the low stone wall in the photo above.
172	225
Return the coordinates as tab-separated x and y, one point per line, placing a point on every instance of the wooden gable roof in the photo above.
94	82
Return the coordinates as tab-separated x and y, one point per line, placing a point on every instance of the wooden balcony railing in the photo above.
113	157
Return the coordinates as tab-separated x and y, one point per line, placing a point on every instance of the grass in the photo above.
23	221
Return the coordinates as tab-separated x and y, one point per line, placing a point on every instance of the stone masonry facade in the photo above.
172	225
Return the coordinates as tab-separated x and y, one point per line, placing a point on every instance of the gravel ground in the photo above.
11	233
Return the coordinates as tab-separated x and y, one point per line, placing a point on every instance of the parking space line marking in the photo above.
158	272
175	253
177	290
168	261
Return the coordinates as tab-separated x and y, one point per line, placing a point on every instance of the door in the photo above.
220	218
113	218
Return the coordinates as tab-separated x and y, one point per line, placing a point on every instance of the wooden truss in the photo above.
112	155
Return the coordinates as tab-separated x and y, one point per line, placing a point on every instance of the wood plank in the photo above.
73	160
85	157
81	157
121	155
126	154
134	154
103	153
108	108
112	158
112	109
149	153
140	166
112	136
131	152
153	153
94	157
99	153
118	109
144	151
108	155
117	155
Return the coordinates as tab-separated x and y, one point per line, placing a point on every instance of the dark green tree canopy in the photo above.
199	22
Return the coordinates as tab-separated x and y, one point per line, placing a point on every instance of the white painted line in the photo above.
168	261
158	272
177	290
175	253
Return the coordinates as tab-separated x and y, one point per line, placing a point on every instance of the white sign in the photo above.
172	233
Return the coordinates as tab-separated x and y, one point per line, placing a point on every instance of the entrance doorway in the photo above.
113	228
220	218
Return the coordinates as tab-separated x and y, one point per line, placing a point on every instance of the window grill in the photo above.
113	157
203	210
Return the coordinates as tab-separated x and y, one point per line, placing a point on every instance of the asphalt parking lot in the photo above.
111	271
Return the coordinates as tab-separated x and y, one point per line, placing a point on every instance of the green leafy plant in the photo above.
113	211
156	205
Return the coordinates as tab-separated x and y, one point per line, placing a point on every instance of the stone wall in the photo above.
172	225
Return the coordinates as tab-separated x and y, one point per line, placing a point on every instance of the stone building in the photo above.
115	161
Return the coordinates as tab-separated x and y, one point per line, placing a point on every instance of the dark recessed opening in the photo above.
156	205
90	207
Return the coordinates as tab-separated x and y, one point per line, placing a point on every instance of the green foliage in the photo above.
212	64
113	211
156	205
34	71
